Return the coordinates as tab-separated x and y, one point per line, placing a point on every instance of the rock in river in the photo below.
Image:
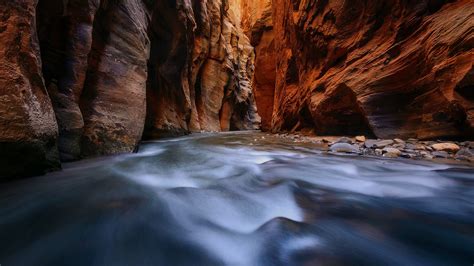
345	148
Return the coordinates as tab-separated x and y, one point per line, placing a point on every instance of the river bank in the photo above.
437	151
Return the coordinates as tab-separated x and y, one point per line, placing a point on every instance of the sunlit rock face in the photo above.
201	67
398	68
257	21
28	129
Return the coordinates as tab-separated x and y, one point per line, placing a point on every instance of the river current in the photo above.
240	199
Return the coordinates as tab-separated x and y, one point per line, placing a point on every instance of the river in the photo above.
240	199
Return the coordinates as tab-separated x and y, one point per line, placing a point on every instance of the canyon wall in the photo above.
383	68
82	78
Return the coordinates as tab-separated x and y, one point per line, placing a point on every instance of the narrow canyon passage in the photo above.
236	132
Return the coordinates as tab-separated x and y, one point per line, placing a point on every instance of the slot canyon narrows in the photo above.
236	132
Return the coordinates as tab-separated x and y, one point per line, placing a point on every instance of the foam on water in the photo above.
239	199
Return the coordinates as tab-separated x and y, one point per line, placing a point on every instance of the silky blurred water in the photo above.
240	199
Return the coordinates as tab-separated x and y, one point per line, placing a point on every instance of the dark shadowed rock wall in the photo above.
28	129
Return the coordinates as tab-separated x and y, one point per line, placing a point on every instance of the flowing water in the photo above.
240	199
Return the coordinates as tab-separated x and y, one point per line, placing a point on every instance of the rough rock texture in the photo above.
383	68
28	129
114	71
113	101
65	33
201	68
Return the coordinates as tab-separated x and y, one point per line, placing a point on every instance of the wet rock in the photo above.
465	155
378	143
399	146
378	152
344	148
448	147
399	141
470	144
440	154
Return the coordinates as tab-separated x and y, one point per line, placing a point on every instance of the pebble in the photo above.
391	152
399	141
448	147
399	146
344	147
378	152
440	154
412	148
378	143
465	155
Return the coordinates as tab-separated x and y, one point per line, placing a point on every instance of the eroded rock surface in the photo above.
114	71
28	129
201	68
408	65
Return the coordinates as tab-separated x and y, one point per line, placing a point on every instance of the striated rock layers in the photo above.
81	78
383	68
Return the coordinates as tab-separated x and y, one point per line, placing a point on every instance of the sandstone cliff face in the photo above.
258	22
201	72
114	71
28	129
384	68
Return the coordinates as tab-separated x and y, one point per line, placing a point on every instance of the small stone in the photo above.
360	138
345	148
344	140
465	155
399	141
428	156
391	152
420	147
440	154
470	144
378	143
407	155
447	147
378	152
412	140
465	152
410	146
399	146
424	153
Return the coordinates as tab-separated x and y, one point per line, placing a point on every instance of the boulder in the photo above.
448	147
